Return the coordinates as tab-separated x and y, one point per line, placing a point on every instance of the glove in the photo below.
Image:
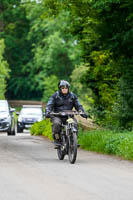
85	115
47	114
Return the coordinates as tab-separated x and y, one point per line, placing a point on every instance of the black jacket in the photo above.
58	102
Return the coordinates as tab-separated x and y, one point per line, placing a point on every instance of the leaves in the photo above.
56	50
87	42
4	71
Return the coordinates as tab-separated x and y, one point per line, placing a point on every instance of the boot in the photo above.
56	143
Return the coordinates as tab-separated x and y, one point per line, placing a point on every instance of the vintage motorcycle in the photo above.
68	136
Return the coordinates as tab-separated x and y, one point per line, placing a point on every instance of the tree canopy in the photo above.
87	42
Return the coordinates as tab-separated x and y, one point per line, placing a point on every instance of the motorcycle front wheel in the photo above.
60	153
72	151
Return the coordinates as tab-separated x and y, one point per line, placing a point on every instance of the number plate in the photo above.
27	126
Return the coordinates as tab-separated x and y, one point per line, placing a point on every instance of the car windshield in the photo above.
31	111
3	107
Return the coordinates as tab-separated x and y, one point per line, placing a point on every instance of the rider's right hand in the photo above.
47	114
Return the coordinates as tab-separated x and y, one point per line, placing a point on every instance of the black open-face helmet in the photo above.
63	83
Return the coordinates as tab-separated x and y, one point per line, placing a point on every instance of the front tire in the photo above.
72	151
60	153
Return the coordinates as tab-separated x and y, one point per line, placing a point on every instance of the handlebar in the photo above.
66	113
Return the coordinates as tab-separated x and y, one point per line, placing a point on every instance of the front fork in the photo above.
71	132
66	137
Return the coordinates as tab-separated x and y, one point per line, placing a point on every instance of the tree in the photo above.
17	47
115	28
4	71
110	30
55	49
49	87
84	93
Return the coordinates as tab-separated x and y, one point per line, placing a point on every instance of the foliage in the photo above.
102	77
50	86
50	40
17	51
126	94
125	147
111	34
84	93
108	142
42	128
4	71
54	49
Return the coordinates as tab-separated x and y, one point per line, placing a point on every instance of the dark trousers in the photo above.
56	125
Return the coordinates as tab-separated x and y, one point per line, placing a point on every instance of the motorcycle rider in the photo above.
62	100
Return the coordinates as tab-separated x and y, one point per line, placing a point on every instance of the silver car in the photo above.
28	115
7	120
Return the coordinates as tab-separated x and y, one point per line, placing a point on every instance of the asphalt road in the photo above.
30	170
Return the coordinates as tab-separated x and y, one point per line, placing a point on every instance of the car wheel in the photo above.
10	133
19	130
13	132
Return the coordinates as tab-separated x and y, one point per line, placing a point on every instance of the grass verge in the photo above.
108	142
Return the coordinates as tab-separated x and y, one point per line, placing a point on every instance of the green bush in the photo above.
42	128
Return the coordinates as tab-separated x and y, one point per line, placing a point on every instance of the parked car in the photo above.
7	120
28	115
